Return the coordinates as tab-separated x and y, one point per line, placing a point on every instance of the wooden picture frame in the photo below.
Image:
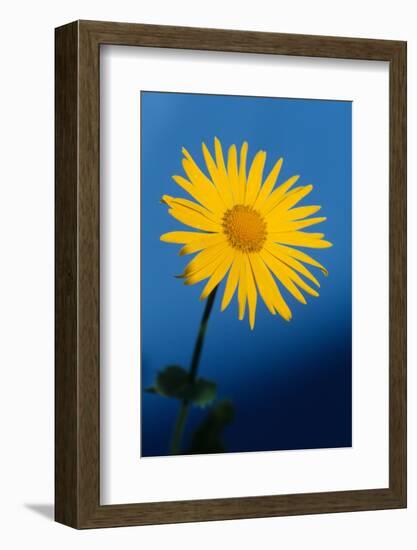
77	405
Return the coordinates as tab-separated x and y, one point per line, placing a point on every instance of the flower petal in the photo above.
195	207
182	237
285	280
206	270
268	185
193	219
300	212
204	258
218	173
206	241
287	253
300	238
265	279
232	173
281	225
291	199
255	177
194	192
259	270
218	274
232	281
221	166
242	172
251	292
284	273
208	193
242	290
277	251
277	195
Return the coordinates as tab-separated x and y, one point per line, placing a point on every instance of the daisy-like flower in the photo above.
247	230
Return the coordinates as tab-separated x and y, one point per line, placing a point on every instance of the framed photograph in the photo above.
230	274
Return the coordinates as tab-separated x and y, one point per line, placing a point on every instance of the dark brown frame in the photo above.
77	373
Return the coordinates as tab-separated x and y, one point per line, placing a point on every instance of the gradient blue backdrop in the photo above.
290	382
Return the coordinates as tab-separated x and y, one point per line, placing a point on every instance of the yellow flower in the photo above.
247	230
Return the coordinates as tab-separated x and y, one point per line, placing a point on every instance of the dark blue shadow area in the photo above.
290	383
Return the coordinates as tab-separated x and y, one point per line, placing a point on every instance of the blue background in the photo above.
290	382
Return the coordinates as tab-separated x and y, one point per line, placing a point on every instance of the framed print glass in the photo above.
230	298
238	225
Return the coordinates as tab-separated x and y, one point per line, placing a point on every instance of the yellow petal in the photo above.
302	224
221	167
218	174
208	193
287	271
194	219
222	172
302	284
280	225
185	203
182	237
277	251
272	293
261	281
232	172
199	244
242	172
292	253
218	274
268	184
255	177
277	195
206	271
299	213
251	292
284	278
282	273
195	192
242	291
232	281
204	258
299	238
290	200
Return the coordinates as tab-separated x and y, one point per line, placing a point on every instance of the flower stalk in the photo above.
195	362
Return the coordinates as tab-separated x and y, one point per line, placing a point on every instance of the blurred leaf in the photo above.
203	392
223	413
172	382
208	436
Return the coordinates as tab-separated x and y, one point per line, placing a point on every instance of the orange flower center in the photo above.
244	228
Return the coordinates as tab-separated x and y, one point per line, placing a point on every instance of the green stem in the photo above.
179	428
195	361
